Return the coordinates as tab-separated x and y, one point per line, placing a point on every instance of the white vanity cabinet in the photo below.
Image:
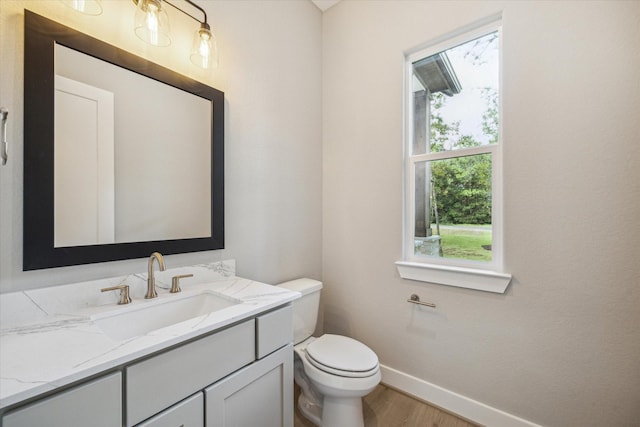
97	403
240	376
244	373
157	383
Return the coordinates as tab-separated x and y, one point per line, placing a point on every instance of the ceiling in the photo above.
324	4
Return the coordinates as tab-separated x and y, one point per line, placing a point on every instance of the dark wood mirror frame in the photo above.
41	35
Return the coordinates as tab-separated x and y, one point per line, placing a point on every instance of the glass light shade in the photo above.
88	7
152	23
204	52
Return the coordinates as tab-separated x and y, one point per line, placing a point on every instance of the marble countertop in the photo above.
48	338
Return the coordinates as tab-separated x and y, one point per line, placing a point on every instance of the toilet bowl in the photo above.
334	372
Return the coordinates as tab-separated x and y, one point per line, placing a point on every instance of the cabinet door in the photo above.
96	403
188	413
259	395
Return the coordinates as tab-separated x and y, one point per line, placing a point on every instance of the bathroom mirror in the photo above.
122	157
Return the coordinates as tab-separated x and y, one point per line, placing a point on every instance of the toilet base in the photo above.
334	412
310	410
340	412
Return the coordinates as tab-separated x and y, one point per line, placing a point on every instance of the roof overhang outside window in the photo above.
436	74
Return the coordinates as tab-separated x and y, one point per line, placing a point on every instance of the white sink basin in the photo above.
146	316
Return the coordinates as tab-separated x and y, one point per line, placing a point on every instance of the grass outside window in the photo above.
465	241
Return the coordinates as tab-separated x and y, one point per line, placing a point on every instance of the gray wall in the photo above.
561	347
270	71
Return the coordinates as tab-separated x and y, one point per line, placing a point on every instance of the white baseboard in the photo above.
467	408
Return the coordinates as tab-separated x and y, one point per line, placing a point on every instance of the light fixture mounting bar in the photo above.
188	14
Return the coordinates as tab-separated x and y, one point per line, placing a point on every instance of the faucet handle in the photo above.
175	282
124	293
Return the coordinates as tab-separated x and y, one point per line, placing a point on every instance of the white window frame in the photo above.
485	276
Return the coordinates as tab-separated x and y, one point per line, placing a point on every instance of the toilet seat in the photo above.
343	356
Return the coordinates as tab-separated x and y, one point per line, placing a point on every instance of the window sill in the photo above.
482	280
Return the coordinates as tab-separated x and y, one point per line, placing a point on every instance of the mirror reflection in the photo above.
132	156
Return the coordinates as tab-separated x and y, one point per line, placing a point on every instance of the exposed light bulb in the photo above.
152	23
204	52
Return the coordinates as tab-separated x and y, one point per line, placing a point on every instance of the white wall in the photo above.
270	71
561	347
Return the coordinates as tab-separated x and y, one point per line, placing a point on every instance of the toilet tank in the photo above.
305	309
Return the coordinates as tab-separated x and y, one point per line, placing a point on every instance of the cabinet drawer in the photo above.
188	413
96	403
274	330
157	383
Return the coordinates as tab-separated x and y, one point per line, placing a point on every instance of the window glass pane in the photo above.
455	97
453	208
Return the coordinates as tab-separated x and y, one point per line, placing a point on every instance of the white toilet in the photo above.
334	372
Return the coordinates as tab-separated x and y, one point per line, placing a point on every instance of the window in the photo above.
453	171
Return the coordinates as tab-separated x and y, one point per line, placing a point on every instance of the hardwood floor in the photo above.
386	407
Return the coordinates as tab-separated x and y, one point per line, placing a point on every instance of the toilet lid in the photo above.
343	356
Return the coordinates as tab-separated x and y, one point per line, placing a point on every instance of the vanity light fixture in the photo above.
152	26
88	7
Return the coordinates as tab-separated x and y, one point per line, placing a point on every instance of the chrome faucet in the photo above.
151	280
